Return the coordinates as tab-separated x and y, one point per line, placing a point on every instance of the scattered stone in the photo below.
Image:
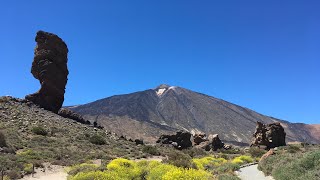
269	135
49	66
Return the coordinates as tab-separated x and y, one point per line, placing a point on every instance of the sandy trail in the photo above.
252	173
51	172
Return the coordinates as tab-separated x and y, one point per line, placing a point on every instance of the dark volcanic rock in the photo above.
181	140
215	142
66	113
269	135
49	66
138	141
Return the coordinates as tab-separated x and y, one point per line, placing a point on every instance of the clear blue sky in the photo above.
264	55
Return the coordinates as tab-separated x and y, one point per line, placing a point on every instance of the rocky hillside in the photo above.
149	113
32	133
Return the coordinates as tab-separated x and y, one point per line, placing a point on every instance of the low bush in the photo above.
179	159
123	169
3	142
39	131
28	168
227	177
256	152
227	168
97	139
207	163
85	167
242	160
151	150
293	148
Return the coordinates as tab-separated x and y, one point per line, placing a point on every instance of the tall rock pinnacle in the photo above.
49	66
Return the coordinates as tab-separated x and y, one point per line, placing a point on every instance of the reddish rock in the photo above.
49	66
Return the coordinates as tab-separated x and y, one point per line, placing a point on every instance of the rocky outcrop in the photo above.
199	138
49	66
269	135
180	140
66	113
212	143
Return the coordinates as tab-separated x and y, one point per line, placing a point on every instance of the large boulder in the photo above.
199	138
269	135
49	66
212	143
180	140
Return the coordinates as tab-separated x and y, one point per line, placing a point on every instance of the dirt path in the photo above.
51	172
252	173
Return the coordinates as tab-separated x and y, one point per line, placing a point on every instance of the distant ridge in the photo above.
165	109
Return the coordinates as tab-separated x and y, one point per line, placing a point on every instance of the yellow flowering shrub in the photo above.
28	168
159	170
124	168
205	162
95	175
187	174
242	160
84	167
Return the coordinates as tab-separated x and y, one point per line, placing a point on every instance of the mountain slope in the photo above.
149	113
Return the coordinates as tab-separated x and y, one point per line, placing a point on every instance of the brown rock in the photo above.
269	135
199	138
267	154
49	66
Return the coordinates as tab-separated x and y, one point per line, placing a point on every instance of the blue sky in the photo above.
264	55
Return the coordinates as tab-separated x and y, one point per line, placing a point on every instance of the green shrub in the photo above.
151	150
97	139
85	167
179	159
299	167
293	148
228	177
2	140
39	131
227	168
256	152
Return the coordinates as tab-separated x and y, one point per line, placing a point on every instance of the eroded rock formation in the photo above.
67	113
49	66
269	135
180	140
199	138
